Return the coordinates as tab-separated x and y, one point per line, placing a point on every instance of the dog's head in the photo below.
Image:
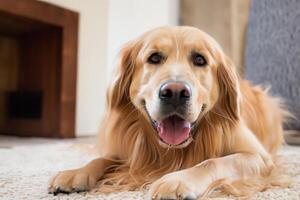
175	76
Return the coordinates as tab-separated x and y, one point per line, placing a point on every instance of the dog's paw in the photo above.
71	181
173	186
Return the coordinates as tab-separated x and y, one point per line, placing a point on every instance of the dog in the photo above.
180	119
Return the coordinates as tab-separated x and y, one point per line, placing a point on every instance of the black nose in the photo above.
175	92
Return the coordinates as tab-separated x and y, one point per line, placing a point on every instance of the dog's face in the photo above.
174	80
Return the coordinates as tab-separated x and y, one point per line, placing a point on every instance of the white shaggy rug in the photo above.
26	165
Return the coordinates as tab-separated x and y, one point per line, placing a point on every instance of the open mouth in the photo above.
173	130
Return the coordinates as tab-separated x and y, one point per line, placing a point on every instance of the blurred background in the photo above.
57	56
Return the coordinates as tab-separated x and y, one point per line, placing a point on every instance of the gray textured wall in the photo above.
273	50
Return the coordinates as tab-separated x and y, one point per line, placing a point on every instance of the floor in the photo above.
26	165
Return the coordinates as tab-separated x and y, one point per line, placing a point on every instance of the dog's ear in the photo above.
228	103
118	93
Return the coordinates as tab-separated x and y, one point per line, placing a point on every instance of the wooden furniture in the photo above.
38	64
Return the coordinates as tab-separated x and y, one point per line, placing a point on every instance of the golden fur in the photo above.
236	136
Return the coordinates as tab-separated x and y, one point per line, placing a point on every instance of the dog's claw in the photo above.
58	190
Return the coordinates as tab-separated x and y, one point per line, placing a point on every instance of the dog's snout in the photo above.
175	92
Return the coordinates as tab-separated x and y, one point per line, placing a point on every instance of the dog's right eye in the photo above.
198	60
155	58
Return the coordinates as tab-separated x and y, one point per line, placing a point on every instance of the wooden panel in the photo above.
9	49
68	77
39	11
12	25
9	58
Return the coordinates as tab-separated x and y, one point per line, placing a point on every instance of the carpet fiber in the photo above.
26	165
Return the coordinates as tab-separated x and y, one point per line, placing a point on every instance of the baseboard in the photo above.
292	137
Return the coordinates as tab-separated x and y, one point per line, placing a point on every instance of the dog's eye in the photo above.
198	60
155	58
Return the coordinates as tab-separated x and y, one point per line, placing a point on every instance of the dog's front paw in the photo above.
71	181
173	186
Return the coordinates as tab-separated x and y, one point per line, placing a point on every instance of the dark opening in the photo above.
25	104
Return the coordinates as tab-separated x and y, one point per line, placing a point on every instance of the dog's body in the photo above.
179	116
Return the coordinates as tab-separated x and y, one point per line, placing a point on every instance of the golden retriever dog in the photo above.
181	121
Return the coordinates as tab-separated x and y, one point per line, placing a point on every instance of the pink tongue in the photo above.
174	130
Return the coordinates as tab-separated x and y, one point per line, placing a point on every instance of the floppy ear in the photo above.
118	93
228	90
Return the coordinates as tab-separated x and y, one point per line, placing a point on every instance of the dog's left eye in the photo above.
155	58
198	60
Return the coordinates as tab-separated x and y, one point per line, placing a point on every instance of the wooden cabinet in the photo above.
38	64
